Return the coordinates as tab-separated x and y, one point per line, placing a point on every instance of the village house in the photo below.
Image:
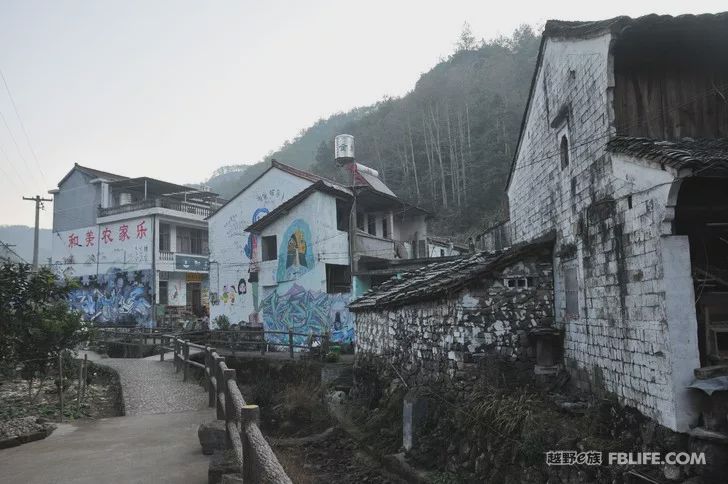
622	161
280	249
138	246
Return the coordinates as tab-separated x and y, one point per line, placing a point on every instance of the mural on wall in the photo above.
305	311
116	298
295	257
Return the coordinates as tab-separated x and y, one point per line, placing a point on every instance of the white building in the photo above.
280	249
638	209
137	245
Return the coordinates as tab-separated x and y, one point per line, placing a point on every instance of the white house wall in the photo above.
230	294
295	296
625	337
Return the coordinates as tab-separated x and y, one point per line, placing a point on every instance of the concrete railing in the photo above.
253	456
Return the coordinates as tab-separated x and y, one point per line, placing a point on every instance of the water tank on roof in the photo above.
344	149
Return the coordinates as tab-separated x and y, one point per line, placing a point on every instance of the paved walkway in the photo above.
156	442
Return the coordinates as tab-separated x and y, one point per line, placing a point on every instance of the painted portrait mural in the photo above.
295	256
305	312
116	298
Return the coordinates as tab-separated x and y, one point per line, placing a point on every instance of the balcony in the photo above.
175	205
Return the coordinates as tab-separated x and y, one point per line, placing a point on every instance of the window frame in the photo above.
265	249
338	286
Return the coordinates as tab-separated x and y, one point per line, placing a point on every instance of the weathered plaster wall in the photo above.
75	205
94	249
620	339
234	290
295	294
432	340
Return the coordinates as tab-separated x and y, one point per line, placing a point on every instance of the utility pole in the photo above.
38	205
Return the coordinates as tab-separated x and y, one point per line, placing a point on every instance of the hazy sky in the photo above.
175	89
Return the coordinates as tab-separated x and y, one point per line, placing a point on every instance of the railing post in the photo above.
228	374
186	362
249	414
209	374
290	341
176	355
325	345
218	380
162	346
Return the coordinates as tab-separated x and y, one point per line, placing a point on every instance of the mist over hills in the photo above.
447	145
21	236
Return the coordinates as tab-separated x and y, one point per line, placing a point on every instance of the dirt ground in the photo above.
101	398
334	459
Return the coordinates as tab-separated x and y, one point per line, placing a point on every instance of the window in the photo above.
518	282
191	241
164	238
385	227
360	220
372	225
338	279
564	151
163	292
342	214
442	252
571	285
268	247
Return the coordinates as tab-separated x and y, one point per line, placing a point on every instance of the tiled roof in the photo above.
100	174
618	25
695	154
437	279
285	207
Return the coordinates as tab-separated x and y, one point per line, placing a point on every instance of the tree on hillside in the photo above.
466	41
448	144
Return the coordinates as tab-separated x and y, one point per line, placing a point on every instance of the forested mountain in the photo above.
447	145
300	152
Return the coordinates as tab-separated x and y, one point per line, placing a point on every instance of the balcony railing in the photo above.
175	205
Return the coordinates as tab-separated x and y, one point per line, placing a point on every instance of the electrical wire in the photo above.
22	126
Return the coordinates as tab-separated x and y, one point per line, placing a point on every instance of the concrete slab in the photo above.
160	448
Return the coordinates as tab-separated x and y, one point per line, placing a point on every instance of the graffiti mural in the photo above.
116	298
307	312
296	253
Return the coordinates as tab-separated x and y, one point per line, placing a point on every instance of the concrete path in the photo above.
156	442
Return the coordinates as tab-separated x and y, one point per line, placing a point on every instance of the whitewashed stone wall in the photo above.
432	340
624	339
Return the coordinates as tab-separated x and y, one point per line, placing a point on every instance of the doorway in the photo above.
194	298
702	215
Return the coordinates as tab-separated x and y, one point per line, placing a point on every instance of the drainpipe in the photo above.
155	281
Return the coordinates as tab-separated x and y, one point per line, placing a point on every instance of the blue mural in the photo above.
117	298
251	245
295	256
306	312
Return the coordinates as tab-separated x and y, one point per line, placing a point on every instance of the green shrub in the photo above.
222	322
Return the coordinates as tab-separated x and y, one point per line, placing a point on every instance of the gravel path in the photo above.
151	387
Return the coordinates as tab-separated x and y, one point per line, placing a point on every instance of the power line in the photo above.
22	126
15	142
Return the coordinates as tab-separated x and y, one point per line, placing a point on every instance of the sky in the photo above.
175	89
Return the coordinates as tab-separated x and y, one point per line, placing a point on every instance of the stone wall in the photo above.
434	340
